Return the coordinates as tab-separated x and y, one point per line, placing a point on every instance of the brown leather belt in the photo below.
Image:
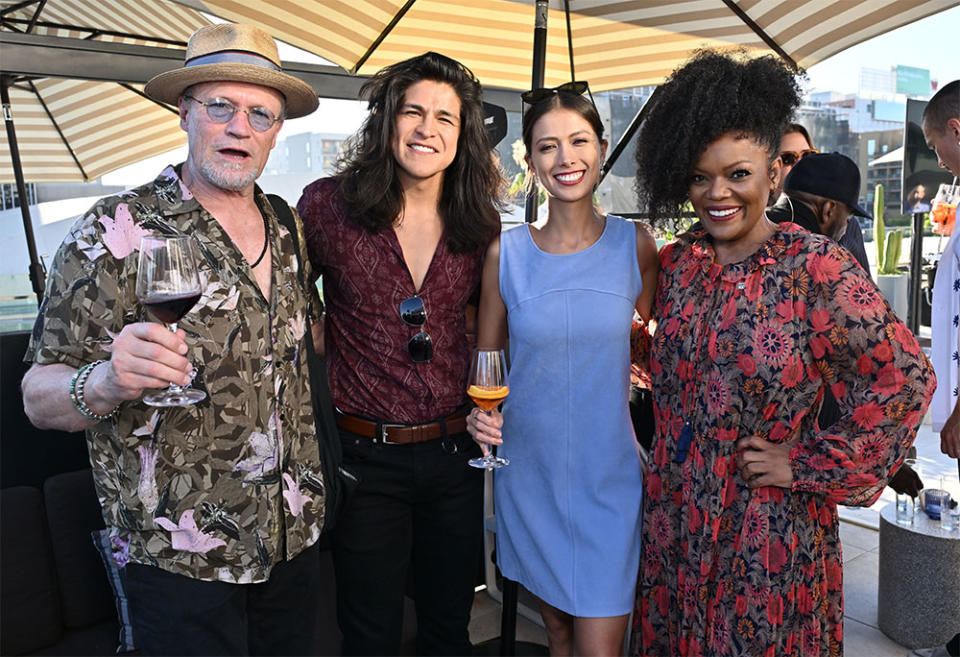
402	434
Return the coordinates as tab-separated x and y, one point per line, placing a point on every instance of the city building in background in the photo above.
867	126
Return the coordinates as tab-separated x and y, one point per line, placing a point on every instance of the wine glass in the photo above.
168	286
487	387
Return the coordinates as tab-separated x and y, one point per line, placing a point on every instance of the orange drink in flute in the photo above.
487	386
488	397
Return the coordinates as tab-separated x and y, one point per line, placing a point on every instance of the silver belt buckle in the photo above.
382	432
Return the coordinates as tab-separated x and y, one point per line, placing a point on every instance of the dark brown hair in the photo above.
796	128
367	178
562	100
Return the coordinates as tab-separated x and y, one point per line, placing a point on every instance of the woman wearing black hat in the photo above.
741	551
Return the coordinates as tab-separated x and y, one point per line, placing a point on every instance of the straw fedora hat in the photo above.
237	53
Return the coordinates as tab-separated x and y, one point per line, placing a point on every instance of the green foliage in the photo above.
879	227
518	189
888	246
892	256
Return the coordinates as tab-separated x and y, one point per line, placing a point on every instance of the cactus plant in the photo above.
888	246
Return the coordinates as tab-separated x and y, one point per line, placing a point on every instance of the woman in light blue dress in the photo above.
564	290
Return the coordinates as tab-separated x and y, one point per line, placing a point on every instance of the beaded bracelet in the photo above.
77	383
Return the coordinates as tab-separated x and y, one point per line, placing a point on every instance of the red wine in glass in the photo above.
170	308
168	286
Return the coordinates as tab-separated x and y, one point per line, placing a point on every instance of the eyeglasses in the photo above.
790	158
221	111
577	87
414	313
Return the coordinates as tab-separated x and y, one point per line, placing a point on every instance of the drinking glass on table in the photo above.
168	286
908	506
487	387
950	504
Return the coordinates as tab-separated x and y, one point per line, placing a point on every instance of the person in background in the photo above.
399	235
564	290
741	552
795	146
821	194
214	509
941	129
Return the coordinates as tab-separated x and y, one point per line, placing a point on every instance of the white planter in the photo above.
896	289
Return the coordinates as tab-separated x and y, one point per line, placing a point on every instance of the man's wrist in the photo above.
77	390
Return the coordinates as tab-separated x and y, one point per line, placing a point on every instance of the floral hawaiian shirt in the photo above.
748	349
227	488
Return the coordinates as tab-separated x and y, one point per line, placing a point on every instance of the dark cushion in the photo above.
73	512
30	605
99	639
29	455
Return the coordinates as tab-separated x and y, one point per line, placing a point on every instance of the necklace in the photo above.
266	241
693	390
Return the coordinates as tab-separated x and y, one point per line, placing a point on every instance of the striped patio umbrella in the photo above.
616	44
77	130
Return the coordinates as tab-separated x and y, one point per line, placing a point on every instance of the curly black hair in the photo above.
713	94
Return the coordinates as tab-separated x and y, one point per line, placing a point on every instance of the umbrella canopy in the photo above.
139	22
616	43
78	130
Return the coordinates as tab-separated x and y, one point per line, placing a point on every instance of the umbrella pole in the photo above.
539	65
37	272
508	611
916	272
627	135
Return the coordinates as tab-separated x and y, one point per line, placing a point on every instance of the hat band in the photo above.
232	57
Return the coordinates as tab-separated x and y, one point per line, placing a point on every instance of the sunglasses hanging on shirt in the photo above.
414	313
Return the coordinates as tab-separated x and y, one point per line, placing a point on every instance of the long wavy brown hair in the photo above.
367	179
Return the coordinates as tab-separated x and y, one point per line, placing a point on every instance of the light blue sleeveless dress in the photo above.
568	505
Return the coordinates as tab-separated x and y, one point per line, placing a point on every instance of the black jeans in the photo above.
177	615
417	506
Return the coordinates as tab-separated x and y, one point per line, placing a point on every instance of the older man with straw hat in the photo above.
212	509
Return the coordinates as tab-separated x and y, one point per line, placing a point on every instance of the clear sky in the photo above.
932	43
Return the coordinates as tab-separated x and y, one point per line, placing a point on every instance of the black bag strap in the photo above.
285	217
326	420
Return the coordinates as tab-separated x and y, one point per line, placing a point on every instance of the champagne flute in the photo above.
168	286
487	387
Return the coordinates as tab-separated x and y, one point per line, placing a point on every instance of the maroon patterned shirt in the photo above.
364	280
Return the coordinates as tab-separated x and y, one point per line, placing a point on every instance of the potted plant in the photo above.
892	281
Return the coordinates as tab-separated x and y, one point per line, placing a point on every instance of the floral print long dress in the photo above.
748	348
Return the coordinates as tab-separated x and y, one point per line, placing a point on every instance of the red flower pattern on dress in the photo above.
771	344
862	299
758	571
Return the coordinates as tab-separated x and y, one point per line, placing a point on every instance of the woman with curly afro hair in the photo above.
741	553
